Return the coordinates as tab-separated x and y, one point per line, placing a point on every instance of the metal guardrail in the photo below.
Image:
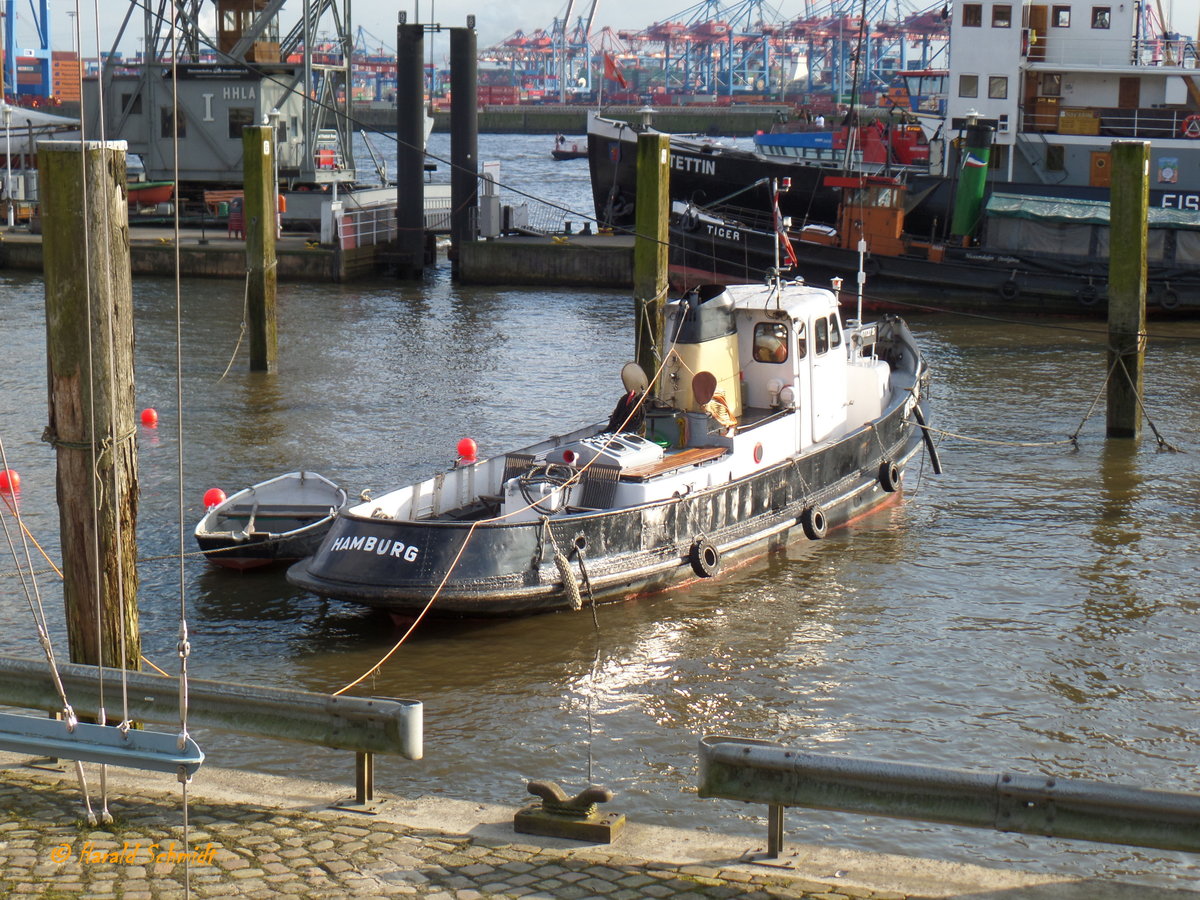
767	772
364	725
366	226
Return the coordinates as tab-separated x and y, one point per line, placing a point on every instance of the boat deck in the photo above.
692	456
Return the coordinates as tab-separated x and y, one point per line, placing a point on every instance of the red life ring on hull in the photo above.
1191	127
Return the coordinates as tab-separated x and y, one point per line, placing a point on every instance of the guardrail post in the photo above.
774	830
364	777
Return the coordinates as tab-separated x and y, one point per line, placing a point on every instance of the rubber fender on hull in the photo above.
705	558
814	523
889	476
928	438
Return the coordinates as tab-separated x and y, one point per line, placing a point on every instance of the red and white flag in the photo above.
612	71
788	253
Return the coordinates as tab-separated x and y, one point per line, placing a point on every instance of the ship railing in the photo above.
1101	52
367	226
437	212
548	218
1139	122
1165	52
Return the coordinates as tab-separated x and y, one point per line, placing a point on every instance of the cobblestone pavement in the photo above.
48	849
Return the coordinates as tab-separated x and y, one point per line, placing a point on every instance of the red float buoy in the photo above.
150	417
467	450
10	481
213	497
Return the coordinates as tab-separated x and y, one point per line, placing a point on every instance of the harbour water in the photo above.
1032	609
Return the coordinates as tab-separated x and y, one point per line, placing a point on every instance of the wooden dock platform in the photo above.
570	261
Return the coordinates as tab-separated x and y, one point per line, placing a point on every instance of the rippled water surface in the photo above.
1033	608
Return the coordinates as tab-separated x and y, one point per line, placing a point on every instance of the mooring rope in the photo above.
242	332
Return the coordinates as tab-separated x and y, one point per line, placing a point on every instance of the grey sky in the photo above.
494	20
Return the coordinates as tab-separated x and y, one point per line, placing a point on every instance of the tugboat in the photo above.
770	421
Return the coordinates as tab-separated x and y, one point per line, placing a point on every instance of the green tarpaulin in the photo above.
1078	212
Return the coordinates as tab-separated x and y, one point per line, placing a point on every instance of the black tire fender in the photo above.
815	525
1010	290
1088	295
871	266
890	476
705	558
1168	299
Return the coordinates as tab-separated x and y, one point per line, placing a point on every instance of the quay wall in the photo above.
596	262
577	261
218	259
731	121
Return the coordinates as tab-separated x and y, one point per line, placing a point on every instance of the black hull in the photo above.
509	569
261	549
707	175
966	279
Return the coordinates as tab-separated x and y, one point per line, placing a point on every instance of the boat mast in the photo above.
852	117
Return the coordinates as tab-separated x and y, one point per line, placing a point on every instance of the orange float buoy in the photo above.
213	497
150	417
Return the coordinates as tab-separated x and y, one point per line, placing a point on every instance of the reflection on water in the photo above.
1032	609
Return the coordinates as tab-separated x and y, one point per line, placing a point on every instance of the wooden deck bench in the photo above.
669	463
213	199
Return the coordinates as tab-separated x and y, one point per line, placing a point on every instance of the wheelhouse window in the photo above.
131	103
801	339
1051	84
835	332
998	87
1001	15
972	15
968	85
1101	15
1060	16
770	342
821	336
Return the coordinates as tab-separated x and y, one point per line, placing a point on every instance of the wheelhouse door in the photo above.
828	376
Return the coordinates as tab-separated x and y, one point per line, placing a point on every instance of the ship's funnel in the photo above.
972	178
